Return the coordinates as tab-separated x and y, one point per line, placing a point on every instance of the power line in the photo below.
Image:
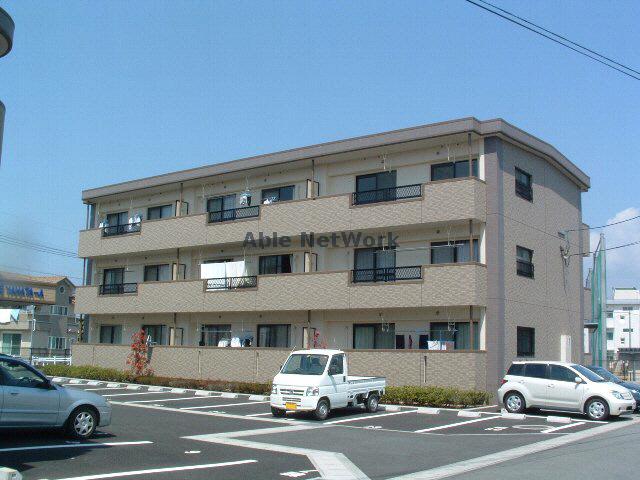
6	239
603	226
559	42
38	271
637	242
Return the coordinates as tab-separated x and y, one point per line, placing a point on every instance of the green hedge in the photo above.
413	396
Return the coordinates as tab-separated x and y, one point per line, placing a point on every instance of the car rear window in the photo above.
536	370
516	369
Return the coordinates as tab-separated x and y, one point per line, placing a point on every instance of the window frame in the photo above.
376	326
156	266
525	330
473	171
441	244
113	336
523	190
271	325
219	333
279	265
264	196
159	208
529	271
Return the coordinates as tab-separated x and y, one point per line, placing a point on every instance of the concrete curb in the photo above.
551	419
468	414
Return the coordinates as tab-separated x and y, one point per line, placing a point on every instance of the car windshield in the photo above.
606	374
585	372
305	364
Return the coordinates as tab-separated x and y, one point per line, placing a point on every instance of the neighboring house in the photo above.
480	211
36	315
623	321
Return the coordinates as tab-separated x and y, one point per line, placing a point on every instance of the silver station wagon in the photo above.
29	400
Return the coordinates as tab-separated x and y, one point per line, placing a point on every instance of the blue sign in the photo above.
20	291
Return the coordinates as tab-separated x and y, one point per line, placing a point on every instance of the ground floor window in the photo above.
457	334
212	335
273	336
111	334
374	336
11	343
526	341
154	334
57	343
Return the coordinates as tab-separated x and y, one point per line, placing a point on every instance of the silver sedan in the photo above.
29	400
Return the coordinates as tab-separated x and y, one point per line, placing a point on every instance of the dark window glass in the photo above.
524	188
212	334
16	374
459	333
274	264
376	181
113	276
154	334
516	369
536	370
460	169
423	341
163	211
273	336
374	336
456	251
119	218
337	364
562	374
222	208
157	273
400	342
524	262
279	194
526	341
111	334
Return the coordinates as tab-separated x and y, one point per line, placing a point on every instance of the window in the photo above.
609	334
61	289
374	264
113	276
273	336
57	343
336	367
526	341
163	211
111	334
119	218
59	310
453	252
561	374
375	187
459	333
11	343
524	262
279	194
536	370
524	187
154	334
400	342
212	335
444	171
157	273
16	374
305	364
223	208
627	309
516	369
374	336
609	314
274	264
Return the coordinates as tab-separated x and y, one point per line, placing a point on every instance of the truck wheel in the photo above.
372	403
276	412
322	410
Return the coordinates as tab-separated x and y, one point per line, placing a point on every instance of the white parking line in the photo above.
259	414
345	420
103	388
136	393
169	400
218	406
160	470
555	429
486	407
75	445
442	427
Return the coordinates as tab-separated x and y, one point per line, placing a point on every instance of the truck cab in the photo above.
317	381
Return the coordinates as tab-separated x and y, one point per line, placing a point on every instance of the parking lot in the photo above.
178	434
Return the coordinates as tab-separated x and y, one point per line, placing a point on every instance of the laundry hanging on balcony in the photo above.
223	275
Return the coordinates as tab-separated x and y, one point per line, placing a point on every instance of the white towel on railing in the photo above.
212	270
235	269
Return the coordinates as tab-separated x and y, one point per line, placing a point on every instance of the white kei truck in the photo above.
317	381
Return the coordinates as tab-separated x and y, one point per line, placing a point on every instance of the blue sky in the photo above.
101	92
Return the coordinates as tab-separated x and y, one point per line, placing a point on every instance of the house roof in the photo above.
39	280
496	127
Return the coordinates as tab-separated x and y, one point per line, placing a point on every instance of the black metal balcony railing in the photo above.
232	283
524	191
525	269
112	230
389	274
234	214
387	194
118	288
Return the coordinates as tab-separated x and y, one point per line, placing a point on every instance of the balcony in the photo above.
387	194
389	274
118	288
439	202
111	230
438	285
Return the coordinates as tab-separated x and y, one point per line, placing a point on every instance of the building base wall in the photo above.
466	370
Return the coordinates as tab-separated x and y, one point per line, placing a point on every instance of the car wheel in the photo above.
372	403
82	423
322	410
514	402
597	409
276	412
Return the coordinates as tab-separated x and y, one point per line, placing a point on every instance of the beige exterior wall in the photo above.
453	369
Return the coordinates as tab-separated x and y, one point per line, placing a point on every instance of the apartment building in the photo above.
37	315
623	321
452	247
